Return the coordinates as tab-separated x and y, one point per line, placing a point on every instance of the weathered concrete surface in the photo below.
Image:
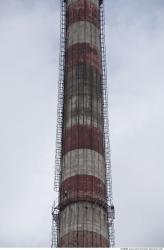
81	188
83	162
82	79
83	32
82	2
83	216
84	110
83	12
83	53
83	207
83	239
83	136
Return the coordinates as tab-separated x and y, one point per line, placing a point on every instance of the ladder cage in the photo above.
59	127
55	226
111	212
60	97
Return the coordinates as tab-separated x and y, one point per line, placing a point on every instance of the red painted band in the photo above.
83	53
82	187
83	239
83	136
83	11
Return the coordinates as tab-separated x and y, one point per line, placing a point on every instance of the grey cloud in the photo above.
28	76
135	76
29	48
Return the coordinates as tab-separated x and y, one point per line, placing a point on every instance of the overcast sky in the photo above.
29	48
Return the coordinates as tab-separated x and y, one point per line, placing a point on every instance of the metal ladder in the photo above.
55	226
58	156
111	210
60	97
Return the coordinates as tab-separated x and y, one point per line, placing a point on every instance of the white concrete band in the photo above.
83	109
83	216
83	32
84	120
89	1
83	162
82	86
83	102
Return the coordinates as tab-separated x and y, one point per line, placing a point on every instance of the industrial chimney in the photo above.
84	214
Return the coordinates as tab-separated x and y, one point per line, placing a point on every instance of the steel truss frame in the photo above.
60	103
111	212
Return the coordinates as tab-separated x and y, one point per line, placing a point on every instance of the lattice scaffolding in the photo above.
60	103
60	97
111	211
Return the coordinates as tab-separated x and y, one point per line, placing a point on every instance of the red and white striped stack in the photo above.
83	214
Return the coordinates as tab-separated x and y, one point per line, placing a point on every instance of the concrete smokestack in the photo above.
83	208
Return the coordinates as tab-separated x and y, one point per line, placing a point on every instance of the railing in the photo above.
59	128
55	227
111	214
60	98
